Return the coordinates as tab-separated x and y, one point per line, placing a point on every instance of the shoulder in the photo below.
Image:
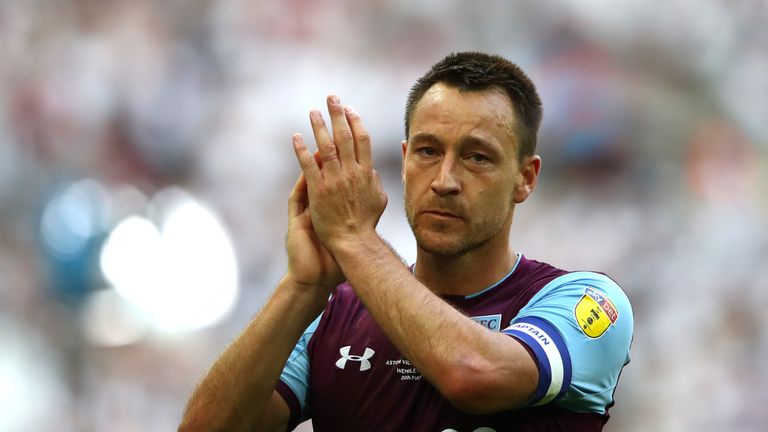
555	287
590	303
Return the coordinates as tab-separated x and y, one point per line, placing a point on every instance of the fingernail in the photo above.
348	109
315	115
333	99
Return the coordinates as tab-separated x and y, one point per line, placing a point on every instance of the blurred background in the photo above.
145	163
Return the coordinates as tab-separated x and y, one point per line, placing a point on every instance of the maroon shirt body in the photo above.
359	381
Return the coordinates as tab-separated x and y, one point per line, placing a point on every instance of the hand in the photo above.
309	262
346	198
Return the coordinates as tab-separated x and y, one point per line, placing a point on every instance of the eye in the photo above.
426	151
479	158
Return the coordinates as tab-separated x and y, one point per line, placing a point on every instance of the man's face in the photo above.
461	172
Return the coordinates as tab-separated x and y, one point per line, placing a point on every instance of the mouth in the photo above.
442	214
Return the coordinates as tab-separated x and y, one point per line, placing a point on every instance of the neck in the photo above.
466	273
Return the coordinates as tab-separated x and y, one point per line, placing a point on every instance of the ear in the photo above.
526	178
404	146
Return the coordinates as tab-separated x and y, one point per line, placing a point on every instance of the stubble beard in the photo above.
473	237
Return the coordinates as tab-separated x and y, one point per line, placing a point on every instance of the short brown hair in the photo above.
476	71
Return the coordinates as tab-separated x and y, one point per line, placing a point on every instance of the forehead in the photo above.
447	110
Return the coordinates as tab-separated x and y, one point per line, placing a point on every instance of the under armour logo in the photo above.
363	359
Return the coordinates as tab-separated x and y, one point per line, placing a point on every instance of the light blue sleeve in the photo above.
296	371
579	329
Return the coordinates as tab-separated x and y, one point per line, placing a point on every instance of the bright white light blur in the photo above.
202	260
132	258
183	276
32	392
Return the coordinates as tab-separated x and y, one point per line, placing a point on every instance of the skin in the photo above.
462	178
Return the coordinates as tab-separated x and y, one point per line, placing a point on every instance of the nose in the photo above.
446	181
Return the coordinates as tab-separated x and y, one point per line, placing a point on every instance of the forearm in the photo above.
236	390
448	348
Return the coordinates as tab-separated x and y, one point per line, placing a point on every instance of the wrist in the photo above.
305	294
355	246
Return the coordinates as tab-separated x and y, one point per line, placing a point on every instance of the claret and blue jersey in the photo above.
346	375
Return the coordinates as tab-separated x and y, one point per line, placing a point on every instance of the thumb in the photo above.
298	200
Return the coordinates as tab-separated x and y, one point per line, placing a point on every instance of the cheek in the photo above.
408	196
414	181
496	203
496	191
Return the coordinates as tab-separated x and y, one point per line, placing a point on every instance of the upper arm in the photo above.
579	329
293	388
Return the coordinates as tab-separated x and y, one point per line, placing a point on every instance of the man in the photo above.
473	337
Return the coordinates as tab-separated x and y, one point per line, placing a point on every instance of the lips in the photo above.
441	213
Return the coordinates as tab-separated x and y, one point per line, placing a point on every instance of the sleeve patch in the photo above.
595	313
551	355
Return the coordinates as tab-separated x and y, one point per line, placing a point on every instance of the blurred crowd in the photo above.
655	150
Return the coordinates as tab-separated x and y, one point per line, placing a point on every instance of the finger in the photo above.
298	199
325	145
361	137
309	166
342	134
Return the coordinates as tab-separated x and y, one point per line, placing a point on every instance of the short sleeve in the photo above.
579	329
294	380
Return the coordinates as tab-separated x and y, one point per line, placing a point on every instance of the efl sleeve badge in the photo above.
595	313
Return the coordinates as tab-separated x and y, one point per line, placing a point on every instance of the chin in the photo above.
441	246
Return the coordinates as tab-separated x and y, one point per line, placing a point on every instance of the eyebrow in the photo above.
428	137
475	141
